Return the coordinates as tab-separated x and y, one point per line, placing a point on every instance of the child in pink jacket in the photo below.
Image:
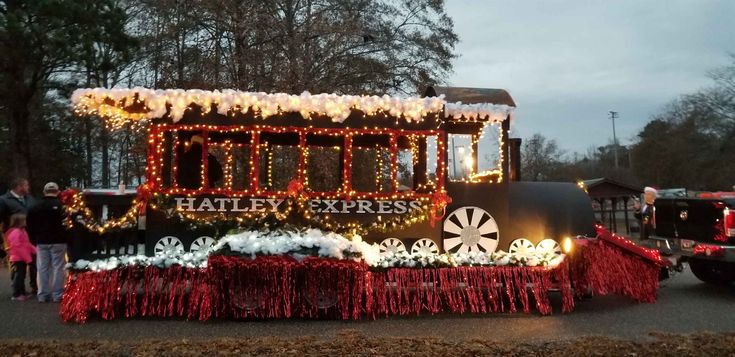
20	251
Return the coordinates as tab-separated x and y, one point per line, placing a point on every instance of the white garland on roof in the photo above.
92	100
300	244
492	112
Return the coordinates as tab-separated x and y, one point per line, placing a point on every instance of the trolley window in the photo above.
238	170
324	162
188	167
278	160
371	163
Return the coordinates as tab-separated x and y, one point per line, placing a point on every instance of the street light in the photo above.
614	115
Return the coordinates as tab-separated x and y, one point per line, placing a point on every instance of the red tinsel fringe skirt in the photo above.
271	287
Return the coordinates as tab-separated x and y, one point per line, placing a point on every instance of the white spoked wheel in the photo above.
521	246
470	229
202	243
424	246
168	245
548	246
392	245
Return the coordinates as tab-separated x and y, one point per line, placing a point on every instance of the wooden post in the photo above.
625	211
613	215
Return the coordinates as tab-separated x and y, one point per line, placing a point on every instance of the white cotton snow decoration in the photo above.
330	245
81	264
337	107
493	112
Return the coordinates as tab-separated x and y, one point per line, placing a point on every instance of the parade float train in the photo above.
386	167
457	230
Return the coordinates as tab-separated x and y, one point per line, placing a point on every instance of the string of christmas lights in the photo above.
112	104
76	206
156	140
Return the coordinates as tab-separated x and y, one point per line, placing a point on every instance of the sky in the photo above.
568	63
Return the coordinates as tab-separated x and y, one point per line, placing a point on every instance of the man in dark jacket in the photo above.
46	228
17	200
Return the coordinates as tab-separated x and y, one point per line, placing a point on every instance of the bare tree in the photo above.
348	46
539	157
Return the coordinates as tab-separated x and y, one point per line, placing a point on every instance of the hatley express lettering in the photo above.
237	204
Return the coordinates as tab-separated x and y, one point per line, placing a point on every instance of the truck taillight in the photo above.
729	222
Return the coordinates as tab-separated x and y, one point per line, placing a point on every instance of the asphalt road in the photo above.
684	305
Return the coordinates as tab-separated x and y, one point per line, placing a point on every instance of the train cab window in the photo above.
460	157
324	160
488	156
371	171
278	162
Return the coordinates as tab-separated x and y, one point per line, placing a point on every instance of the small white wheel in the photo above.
168	245
548	245
521	246
424	246
470	229
392	245
202	243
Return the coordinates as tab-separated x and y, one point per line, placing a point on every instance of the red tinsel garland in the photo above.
269	287
602	267
111	293
650	254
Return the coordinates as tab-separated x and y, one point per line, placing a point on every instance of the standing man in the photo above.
647	213
46	228
18	200
14	201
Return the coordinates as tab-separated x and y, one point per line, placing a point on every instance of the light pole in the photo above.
613	116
